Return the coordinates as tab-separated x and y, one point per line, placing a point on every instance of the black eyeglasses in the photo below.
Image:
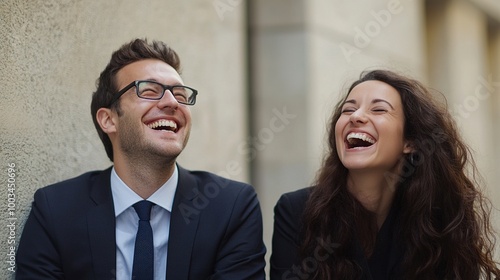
153	90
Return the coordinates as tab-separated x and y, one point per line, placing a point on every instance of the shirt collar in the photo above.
124	197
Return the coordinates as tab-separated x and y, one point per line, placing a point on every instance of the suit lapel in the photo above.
101	226
183	225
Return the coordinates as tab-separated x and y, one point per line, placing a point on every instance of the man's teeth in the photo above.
361	136
163	123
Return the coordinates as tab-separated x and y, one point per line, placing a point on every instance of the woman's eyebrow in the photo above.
351	101
382	100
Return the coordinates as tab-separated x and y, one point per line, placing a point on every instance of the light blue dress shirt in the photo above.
127	223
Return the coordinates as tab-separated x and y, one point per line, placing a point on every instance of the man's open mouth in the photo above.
163	125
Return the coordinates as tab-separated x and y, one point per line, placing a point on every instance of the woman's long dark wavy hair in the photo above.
444	218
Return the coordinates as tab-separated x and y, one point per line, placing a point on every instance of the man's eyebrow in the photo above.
156	80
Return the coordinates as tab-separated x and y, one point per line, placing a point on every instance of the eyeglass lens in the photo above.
153	90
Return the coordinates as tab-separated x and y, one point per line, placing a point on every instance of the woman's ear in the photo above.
104	117
408	147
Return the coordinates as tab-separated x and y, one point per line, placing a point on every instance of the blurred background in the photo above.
269	73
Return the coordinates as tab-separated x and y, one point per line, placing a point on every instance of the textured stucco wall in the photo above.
51	53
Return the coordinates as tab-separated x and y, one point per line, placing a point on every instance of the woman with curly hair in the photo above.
396	197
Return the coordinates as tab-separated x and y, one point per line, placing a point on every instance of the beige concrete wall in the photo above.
51	53
280	76
494	68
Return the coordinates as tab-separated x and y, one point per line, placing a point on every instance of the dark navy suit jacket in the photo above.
215	230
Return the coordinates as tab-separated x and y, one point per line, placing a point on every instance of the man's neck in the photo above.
142	176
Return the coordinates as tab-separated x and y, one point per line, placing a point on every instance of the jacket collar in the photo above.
184	220
183	225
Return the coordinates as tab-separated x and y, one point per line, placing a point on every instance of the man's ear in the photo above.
106	120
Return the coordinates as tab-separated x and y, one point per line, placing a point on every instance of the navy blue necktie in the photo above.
142	268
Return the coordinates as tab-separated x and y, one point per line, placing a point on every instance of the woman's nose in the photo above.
358	116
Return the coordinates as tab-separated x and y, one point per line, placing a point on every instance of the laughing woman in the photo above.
394	198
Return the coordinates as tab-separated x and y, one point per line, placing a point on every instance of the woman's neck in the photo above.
374	191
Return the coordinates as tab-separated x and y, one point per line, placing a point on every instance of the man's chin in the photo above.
170	153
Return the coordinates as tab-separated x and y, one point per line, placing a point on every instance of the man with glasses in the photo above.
145	217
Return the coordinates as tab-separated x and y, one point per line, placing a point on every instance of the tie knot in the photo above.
143	209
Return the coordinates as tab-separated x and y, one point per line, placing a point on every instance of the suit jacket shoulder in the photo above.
290	207
69	233
287	231
215	229
90	184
